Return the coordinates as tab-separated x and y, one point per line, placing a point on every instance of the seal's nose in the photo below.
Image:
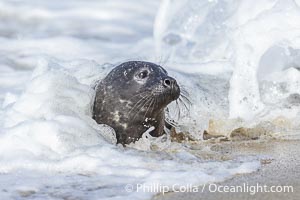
171	86
169	82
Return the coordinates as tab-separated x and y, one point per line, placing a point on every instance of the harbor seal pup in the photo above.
132	98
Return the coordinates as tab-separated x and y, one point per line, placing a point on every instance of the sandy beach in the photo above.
280	167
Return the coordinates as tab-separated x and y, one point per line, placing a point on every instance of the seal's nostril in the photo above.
167	82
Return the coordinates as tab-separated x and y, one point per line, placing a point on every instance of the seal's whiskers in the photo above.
152	99
138	94
143	106
138	103
178	110
154	105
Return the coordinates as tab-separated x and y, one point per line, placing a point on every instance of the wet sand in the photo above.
280	166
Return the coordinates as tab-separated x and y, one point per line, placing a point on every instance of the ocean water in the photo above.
238	60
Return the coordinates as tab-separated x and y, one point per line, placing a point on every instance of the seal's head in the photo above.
132	98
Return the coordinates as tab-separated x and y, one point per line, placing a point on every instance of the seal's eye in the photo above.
143	74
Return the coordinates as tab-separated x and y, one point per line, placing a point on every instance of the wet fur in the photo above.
131	105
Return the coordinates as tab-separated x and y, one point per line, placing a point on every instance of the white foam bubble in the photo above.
49	129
